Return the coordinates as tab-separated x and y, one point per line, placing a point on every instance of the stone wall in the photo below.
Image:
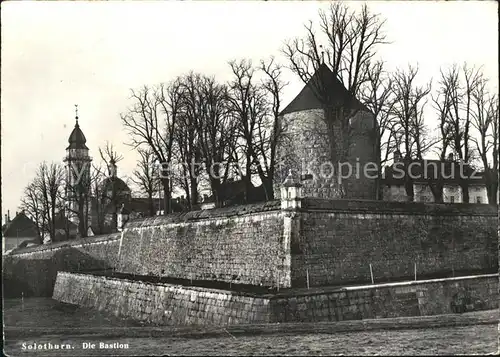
304	147
163	304
418	298
339	240
166	304
32	271
323	242
243	244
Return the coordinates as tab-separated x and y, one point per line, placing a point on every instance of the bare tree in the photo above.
442	105
144	177
32	205
460	83
111	192
50	181
43	198
110	157
188	158
249	106
485	119
151	123
407	110
206	104
377	94
352	40
270	129
98	199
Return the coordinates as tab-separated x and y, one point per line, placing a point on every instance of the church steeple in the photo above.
77	188
77	140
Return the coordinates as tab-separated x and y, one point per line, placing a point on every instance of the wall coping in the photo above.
199	215
193	288
329	290
70	243
292	292
308	205
414	208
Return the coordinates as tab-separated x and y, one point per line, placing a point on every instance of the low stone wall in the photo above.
32	271
180	305
418	298
164	304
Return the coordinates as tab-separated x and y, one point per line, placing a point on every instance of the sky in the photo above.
57	54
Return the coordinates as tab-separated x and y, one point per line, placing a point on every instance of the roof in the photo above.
307	98
142	205
138	204
77	139
115	184
63	222
20	226
233	192
427	171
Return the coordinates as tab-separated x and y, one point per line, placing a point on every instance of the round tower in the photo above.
77	164
304	146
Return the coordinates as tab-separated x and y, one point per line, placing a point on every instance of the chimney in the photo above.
450	157
6	219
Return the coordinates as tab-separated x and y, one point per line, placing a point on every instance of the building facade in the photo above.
449	176
20	231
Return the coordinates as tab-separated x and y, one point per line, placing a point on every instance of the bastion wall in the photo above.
324	242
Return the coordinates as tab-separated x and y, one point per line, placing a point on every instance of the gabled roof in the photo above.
307	98
20	226
77	139
63	222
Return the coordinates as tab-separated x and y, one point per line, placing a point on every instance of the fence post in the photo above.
415	271
371	273
307	277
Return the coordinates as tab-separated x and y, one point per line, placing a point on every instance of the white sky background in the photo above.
57	54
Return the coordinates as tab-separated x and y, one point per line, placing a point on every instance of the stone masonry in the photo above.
33	270
285	244
304	148
163	304
166	304
339	240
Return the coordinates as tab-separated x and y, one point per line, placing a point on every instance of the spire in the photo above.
77	139
76	113
322	54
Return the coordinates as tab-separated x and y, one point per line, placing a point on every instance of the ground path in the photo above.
42	320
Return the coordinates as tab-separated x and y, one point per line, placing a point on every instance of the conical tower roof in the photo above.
77	139
307	98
